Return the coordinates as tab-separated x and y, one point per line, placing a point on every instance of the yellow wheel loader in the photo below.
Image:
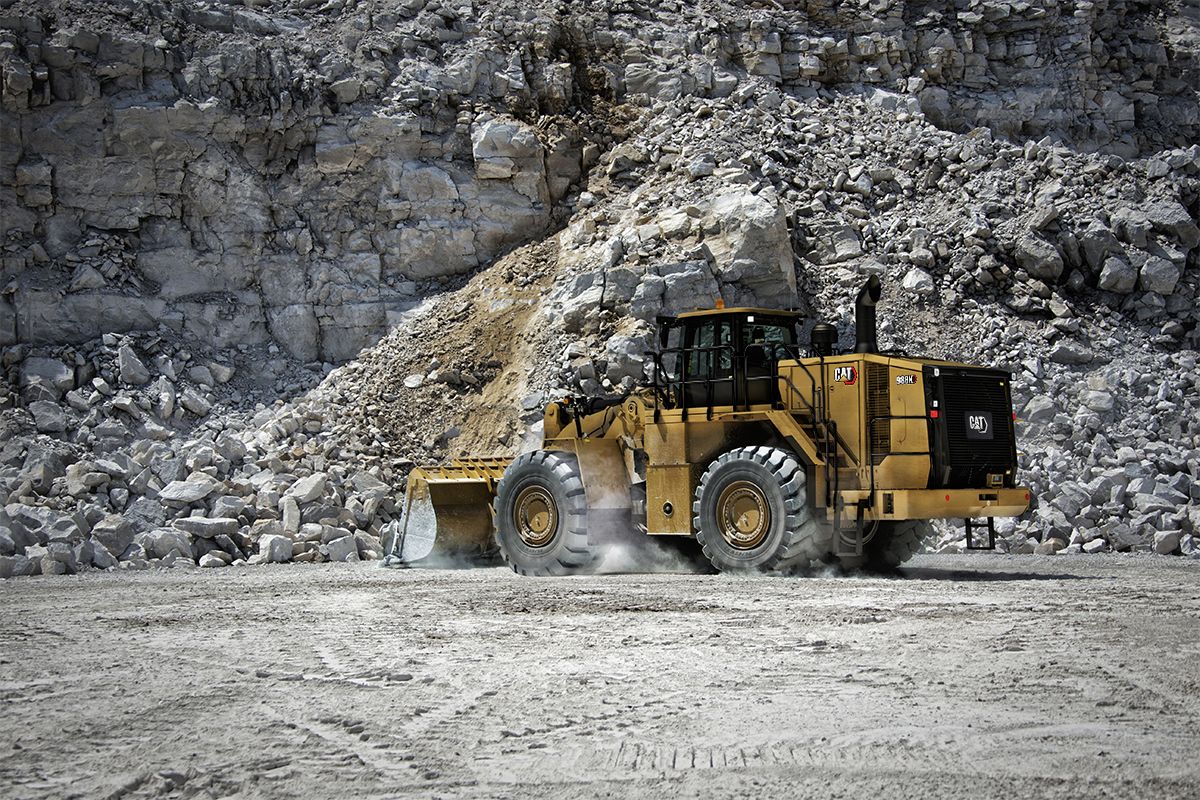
769	455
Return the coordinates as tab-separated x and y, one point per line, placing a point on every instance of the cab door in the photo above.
710	359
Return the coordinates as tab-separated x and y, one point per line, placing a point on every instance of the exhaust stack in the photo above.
864	316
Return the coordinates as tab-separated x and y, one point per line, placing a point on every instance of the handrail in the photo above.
830	441
685	380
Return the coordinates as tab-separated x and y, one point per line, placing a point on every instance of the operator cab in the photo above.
724	356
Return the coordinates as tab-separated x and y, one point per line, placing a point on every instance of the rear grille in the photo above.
879	404
975	427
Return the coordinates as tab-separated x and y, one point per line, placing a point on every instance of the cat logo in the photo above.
979	425
906	380
846	375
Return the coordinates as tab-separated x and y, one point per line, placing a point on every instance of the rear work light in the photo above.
933	413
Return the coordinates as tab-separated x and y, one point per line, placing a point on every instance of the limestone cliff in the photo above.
303	171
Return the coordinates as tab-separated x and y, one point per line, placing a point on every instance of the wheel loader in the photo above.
772	456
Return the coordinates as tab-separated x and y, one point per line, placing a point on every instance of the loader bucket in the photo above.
448	511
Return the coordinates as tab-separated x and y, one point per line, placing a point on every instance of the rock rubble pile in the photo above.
139	451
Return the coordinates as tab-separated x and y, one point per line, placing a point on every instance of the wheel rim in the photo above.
743	515
535	516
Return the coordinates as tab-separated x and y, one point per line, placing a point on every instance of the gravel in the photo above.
981	676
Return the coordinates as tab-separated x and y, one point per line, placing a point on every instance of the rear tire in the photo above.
541	515
893	544
751	513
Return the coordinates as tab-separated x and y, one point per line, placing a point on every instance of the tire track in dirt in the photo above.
476	684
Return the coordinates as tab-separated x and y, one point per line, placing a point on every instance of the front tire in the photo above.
541	515
751	513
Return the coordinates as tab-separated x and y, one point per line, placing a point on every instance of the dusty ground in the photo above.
970	676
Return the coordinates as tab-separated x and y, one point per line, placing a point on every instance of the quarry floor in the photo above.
966	676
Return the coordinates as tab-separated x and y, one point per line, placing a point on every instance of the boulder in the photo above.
228	506
42	465
101	557
1099	401
16	566
211	560
289	512
747	236
331	532
1159	275
1038	257
59	560
1166	542
136	550
919	281
145	514
843	244
1026	547
306	490
33	525
195	402
1049	547
1095	243
1117	275
48	372
161	542
133	371
1039	410
1170	217
369	547
266	527
1070	353
310	532
686	286
197	487
221	373
229	547
84	551
48	416
275	549
114	532
344	548
207	527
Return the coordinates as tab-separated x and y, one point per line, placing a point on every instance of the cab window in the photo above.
704	360
766	341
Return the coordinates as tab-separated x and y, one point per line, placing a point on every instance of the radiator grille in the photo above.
981	396
879	404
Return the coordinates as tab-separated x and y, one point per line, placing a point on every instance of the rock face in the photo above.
225	167
250	185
